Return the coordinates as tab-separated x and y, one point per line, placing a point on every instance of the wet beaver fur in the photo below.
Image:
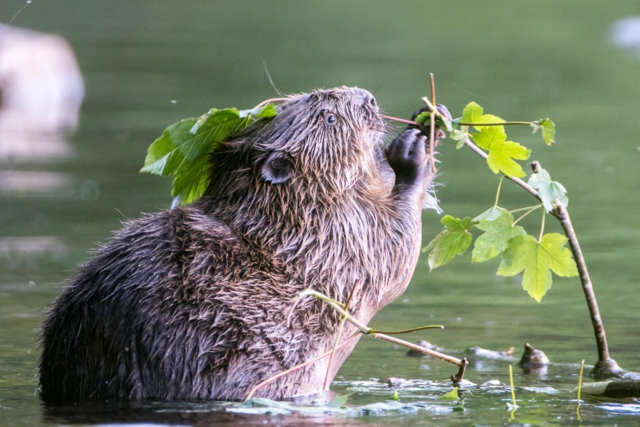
191	303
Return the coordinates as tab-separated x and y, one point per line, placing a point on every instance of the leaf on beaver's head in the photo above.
183	149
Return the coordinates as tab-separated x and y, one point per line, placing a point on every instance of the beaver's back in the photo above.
156	315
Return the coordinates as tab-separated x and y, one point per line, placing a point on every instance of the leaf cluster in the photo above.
519	252
183	149
501	236
488	132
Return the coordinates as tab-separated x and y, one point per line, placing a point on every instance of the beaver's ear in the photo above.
277	168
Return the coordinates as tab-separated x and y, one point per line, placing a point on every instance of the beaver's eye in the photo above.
330	119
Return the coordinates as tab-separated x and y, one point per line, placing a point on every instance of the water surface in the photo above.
148	64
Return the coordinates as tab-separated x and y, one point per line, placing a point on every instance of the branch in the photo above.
518	181
606	367
461	363
496	124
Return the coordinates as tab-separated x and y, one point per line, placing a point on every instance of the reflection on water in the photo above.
190	414
32	181
25	251
41	90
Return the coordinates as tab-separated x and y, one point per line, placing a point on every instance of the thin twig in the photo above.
407	331
295	368
350	297
367	330
513	390
433	89
498	192
531	209
396	119
544	216
268	101
497	124
580	380
525	208
335	343
579	389
437	354
432	126
514	406
333	353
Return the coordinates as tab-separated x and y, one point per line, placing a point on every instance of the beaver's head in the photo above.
327	135
320	144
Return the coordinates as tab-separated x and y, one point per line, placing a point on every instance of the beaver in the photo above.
191	303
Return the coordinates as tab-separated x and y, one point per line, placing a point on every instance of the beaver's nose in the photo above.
366	98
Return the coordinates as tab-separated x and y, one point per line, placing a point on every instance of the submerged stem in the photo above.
513	390
580	380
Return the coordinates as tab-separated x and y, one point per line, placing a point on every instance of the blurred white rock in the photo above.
41	91
625	33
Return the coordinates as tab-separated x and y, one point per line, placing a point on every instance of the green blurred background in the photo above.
147	64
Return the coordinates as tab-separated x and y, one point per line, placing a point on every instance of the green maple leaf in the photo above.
498	230
474	113
502	152
548	129
183	149
423	117
454	240
548	190
450	395
537	260
460	136
502	155
490	214
488	135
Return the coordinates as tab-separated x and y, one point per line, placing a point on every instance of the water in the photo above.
148	64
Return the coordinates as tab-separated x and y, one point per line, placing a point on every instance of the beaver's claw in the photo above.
407	156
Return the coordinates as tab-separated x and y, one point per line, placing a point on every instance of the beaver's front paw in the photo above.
407	156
